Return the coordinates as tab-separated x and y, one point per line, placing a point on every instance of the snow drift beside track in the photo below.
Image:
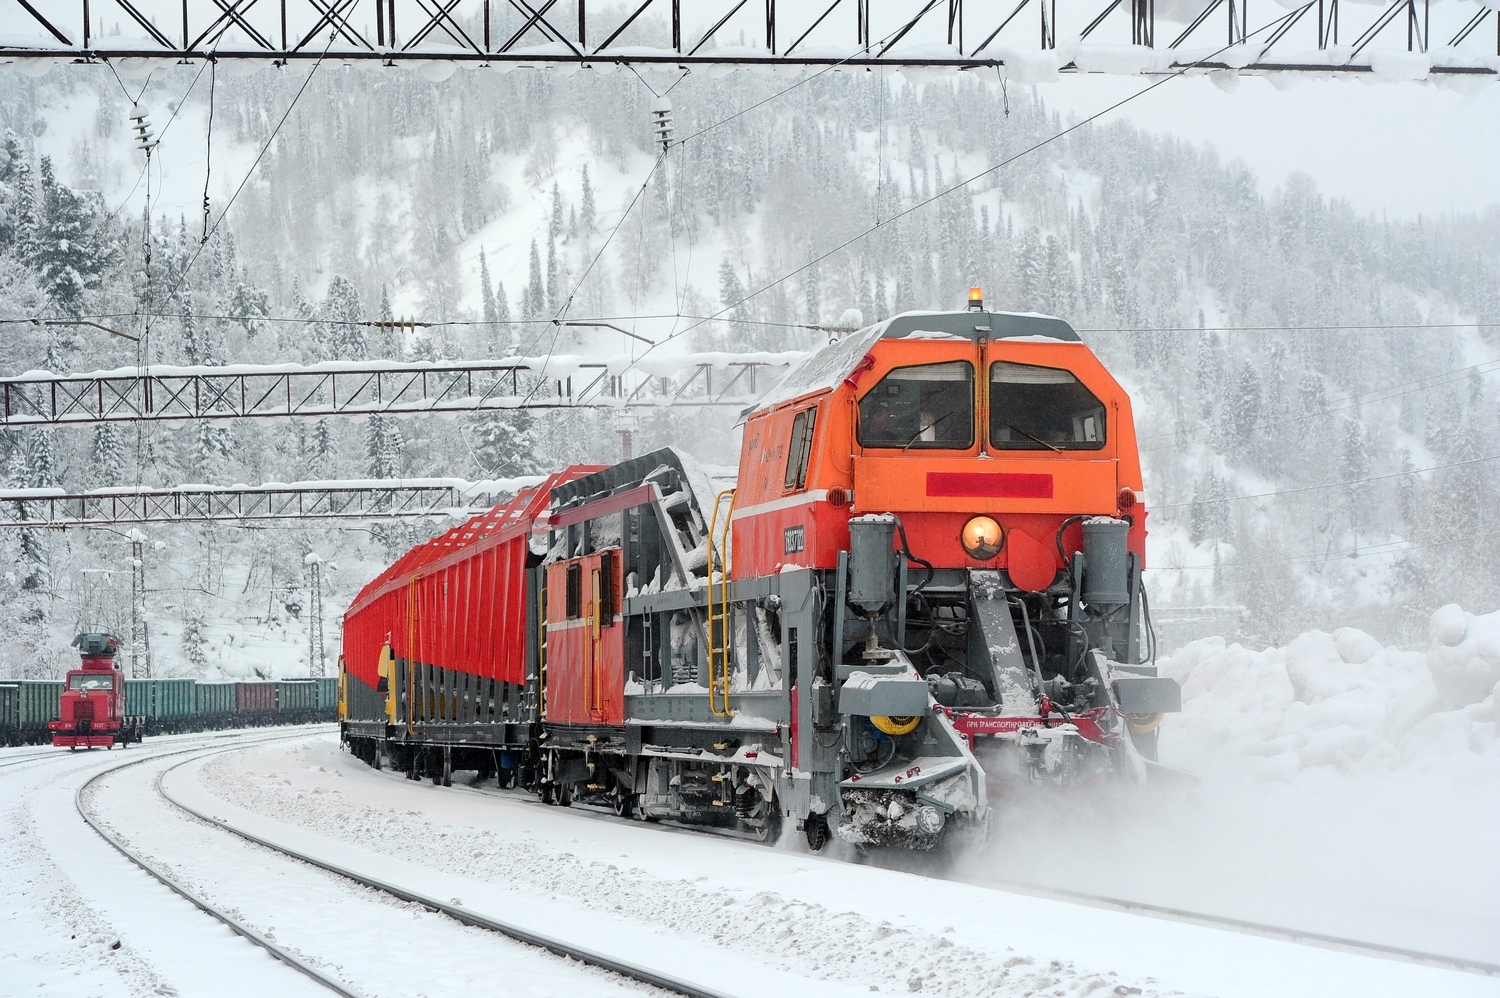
1348	788
1341	701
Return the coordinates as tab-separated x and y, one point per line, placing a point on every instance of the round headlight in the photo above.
982	538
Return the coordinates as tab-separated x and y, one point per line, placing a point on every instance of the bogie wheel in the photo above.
564	795
623	803
770	832
815	827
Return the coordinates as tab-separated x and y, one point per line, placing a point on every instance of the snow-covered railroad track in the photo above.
1248	927
25	757
179	888
664	980
323	920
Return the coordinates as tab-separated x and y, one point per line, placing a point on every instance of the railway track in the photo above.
631	971
1247	927
647	975
177	887
1243	926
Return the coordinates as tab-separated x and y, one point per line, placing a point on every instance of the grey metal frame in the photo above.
489	32
397	389
306	501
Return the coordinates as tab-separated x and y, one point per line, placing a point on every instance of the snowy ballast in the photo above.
1343	702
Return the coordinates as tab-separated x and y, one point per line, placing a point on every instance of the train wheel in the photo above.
564	795
623	803
815	827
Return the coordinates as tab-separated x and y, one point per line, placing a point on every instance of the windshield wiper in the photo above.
930	426
1010	426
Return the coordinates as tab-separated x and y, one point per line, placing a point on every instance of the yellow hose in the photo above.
1142	723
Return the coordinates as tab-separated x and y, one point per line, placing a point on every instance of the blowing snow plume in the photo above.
1348	788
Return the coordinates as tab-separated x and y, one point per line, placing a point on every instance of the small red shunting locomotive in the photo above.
91	713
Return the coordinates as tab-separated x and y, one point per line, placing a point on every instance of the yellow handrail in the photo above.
718	613
592	694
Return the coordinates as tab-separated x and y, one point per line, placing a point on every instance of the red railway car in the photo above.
927	585
91	710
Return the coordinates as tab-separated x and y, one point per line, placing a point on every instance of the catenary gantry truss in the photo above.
1461	37
375	388
405	499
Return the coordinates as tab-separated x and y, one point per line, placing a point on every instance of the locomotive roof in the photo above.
830	365
974	324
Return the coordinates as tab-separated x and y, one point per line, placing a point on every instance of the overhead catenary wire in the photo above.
1329	485
208	150
1345	404
916	206
187	267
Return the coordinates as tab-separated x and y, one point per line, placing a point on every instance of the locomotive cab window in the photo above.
1042	408
799	450
928	406
96	681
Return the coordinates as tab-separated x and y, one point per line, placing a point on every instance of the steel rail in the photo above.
166	879
466	916
1248	927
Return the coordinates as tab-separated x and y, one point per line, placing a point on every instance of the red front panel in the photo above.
585	654
807	534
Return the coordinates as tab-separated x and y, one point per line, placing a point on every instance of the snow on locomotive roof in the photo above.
833	363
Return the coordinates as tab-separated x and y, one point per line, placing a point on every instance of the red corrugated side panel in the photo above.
459	600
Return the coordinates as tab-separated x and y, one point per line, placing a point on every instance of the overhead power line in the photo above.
1339	405
1034	147
1329	485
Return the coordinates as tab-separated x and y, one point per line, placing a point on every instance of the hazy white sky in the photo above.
1401	148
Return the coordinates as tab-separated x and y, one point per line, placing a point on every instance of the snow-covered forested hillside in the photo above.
1284	394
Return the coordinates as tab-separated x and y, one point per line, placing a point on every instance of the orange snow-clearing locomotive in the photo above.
926	584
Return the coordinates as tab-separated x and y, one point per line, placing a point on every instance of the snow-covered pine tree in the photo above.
70	254
106	457
587	210
732	299
194	638
384	445
554	293
12	173
1029	278
387	341
535	305
26	214
488	311
472	212
812	295
505	336
505	443
341	313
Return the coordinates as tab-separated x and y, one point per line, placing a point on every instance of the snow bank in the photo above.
1465	656
1340	780
1344	703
